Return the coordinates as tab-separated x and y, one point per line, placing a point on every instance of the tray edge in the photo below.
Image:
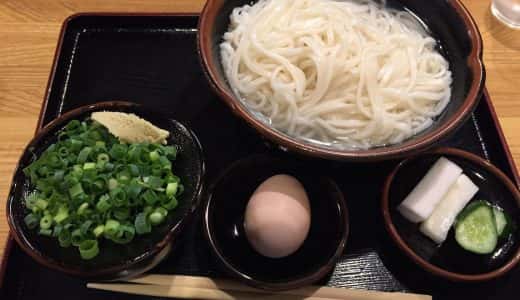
10	241
502	138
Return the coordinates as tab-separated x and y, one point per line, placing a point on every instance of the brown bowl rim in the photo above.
474	63
47	261
303	281
396	237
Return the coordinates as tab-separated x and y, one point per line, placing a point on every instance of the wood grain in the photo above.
29	31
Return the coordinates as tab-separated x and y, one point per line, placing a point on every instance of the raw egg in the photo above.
278	216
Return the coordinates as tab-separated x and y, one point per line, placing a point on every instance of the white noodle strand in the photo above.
350	74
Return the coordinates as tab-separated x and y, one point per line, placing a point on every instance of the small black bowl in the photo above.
449	260
224	217
114	261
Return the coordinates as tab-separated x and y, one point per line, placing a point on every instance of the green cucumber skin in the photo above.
500	220
508	225
479	216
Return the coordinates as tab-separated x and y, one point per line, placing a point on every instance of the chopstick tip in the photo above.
93	285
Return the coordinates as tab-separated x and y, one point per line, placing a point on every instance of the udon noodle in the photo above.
350	74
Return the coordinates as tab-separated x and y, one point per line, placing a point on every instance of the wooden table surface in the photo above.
29	31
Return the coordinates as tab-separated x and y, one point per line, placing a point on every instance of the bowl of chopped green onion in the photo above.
102	191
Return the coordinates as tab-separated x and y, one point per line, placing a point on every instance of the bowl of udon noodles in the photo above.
351	80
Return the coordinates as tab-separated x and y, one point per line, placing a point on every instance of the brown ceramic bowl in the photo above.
449	260
224	218
114	261
449	22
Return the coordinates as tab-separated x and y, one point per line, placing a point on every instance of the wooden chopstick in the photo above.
191	287
193	281
223	284
182	292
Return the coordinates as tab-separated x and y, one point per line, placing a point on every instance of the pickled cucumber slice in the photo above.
476	230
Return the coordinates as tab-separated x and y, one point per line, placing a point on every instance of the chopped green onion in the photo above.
82	208
170	152
108	167
134	152
30	200
57	230
154	156
171	189
111	228
89	166
124	235
118	196
134	169
72	127
75	145
98	231
83	155
58	176
85	227
103	158
100	144
163	211
156	218
94	135
169	203
154	182
76	237
88	249
43	171
122	213
118	151
148	209
77	171
31	221
46	222
133	189
124	176
41	204
62	214
98	185
142	224
91	186
165	163
46	232
150	197
103	203
63	152
112	183
76	190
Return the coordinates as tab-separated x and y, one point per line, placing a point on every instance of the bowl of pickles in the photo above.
454	214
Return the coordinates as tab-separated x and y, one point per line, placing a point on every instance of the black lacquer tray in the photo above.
152	59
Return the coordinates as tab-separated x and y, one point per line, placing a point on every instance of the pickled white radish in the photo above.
437	226
421	201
